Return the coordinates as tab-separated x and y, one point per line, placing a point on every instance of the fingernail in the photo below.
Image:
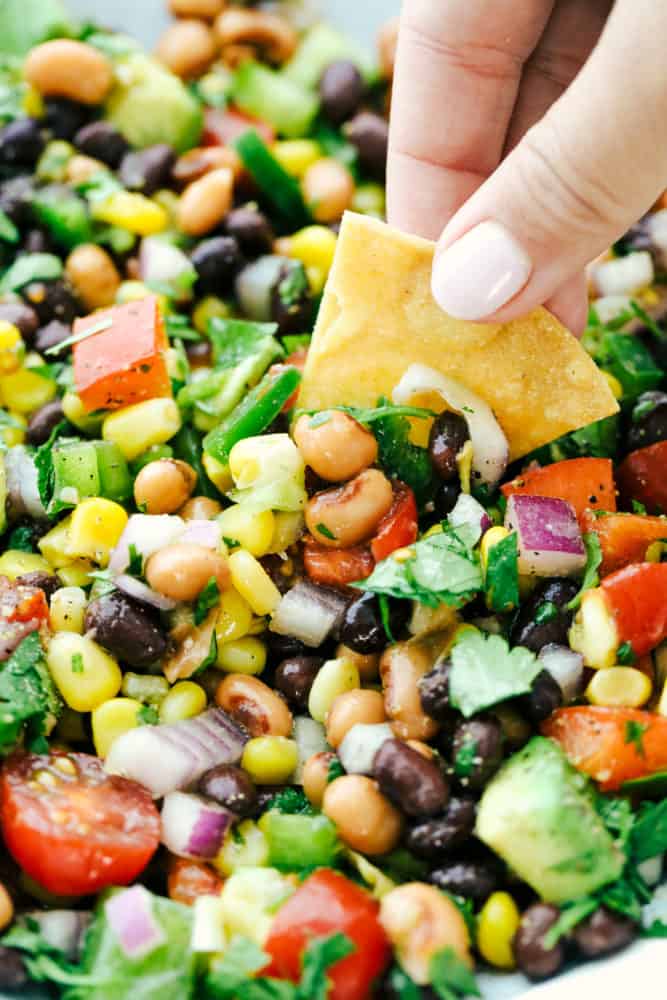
479	273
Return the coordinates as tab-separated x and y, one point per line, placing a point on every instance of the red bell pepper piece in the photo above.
328	903
223	127
637	599
586	483
624	538
643	476
124	362
337	567
399	527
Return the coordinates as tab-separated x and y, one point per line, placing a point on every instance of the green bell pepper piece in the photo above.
299	841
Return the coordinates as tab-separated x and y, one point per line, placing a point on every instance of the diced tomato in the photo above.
337	567
612	745
296	360
328	903
586	483
399	527
71	826
187	880
637	599
643	476
223	127
22	603
624	538
125	362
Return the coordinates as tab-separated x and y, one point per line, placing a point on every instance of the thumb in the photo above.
572	186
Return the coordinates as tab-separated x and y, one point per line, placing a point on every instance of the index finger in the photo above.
458	70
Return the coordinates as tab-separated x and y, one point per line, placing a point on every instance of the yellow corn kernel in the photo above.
314	246
248	848
12	348
317	279
623	687
168	200
464	463
76	573
54	545
489	539
13	433
185	700
133	212
218	473
257	626
15	563
296	155
594	633
369	199
131	291
614	384
257	461
253	582
111	719
67	609
333	678
76	413
287	530
25	391
270	760
497	924
253	530
655	551
95	528
83	672
33	102
234	617
244	656
137	428
662	704
209	308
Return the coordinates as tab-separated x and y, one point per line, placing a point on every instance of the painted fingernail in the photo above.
479	273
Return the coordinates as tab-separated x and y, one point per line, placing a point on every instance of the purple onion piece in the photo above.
140	591
309	613
468	511
200	532
550	542
192	826
130	916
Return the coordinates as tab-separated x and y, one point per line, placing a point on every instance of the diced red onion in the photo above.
565	666
130	916
624	275
309	613
169	758
489	444
208	925
608	307
62	929
550	542
468	511
192	826
22	488
651	871
201	532
161	261
147	533
310	738
255	284
360	745
140	591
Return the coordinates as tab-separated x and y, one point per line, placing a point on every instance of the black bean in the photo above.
65	118
342	90
53	300
265	796
21	143
294	678
448	435
103	142
291	301
604	932
38	241
48	582
649	421
23	317
544	619
230	787
148	169
16	195
473	880
445	498
532	956
251	229
369	133
50	336
283	646
13	974
544	698
43	421
477	751
434	691
126	628
216	262
362	629
435	837
416	785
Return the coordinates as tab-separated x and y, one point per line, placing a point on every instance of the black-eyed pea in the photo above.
366	820
315	777
328	188
81	168
206	9
206	202
335	445
200	509
6	908
249	33
367	664
181	571
350	514
254	705
360	706
164	486
93	275
387	42
187	48
401	668
74	70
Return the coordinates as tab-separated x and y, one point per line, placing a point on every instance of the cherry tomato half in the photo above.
187	880
72	827
337	567
641	476
399	527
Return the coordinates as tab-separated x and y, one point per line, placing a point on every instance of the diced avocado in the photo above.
319	48
25	23
538	815
150	105
276	99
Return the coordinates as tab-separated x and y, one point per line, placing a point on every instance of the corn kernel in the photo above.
489	539
257	626
655	552
497	924
137	428
206	309
77	573
54	545
317	279
249	848
67	609
218	473
594	633
253	530
369	199
12	348
168	200
185	700
76	413
614	384
33	103
25	391
131	291
295	156
234	617
258	461
111	719
270	760
253	582
14	431
333	678
314	246
464	463
244	656
661	708
133	212
147	688
83	672
95	529
15	563
619	687
287	529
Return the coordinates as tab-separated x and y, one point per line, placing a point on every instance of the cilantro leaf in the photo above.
485	671
136	564
404	987
450	976
634	733
28	698
320	955
593	563
649	833
44	962
335	770
464	761
617	816
658	929
291	801
502	575
400	458
625	654
77	663
43	460
234	340
22	539
546	612
148	716
207	599
241	960
571	915
385	616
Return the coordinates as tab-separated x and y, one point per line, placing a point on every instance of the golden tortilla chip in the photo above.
378	317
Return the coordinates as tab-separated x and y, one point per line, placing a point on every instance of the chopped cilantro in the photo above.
148	716
502	575
44	962
77	663
325	532
625	654
207	599
485	671
291	801
546	612
136	564
450	976
231	543
293	286
638	508
649	833
22	539
8	231
658	929
234	340
593	563
28	699
403	987
103	582
335	770
293	342
464	762
385	616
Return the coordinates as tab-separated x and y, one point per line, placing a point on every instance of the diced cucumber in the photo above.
75	472
64	215
319	48
275	99
114	475
299	841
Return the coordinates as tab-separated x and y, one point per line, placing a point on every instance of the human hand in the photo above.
534	133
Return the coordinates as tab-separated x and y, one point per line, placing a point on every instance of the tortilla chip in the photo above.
378	317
